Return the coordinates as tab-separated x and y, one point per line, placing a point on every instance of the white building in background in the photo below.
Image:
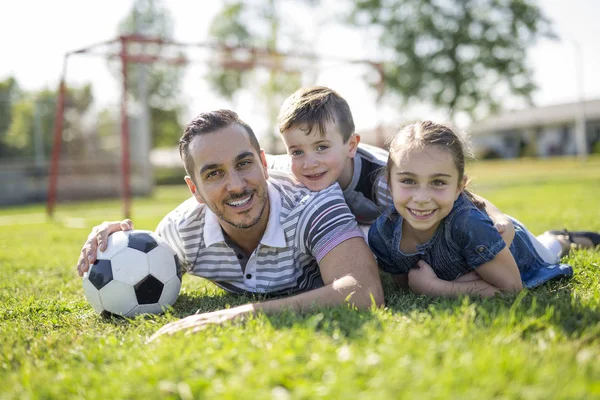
539	131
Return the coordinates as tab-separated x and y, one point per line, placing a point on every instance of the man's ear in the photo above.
263	160
193	189
353	142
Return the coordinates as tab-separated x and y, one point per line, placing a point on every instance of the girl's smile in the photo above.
425	185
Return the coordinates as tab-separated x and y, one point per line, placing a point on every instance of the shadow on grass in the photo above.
341	321
550	305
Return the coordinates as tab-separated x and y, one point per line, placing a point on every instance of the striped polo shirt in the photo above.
367	194
303	227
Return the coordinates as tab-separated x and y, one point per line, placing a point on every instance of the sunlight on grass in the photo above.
540	344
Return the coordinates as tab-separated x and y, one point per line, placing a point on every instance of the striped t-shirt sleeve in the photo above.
167	229
327	222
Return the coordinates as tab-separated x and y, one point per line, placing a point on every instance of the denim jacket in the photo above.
465	239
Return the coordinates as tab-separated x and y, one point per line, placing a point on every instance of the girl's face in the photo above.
425	184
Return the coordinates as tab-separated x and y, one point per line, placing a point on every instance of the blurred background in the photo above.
521	76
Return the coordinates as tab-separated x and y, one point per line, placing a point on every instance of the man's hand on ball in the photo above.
98	239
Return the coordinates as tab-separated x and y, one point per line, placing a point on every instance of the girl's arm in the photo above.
499	275
501	221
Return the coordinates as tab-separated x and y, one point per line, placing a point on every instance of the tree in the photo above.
9	95
161	82
32	122
152	18
255	24
455	53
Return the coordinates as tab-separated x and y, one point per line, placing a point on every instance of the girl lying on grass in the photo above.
438	239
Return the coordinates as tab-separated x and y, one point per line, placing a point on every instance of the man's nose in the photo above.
236	182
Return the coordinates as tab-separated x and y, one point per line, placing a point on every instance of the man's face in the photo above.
318	162
230	177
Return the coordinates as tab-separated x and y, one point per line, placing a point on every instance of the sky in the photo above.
35	34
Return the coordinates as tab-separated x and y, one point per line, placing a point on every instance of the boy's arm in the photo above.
501	221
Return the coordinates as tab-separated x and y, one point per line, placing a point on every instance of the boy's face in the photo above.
318	162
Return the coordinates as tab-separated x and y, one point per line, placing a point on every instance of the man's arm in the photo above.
349	273
501	221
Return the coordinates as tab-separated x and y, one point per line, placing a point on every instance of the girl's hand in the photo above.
422	279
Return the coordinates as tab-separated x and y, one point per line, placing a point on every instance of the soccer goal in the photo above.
109	156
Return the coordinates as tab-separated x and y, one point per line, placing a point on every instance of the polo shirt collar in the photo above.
273	236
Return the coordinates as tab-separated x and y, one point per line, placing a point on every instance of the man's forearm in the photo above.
346	289
342	290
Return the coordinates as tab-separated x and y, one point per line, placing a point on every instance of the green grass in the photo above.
541	344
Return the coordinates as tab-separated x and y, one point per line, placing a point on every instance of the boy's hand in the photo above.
422	279
98	239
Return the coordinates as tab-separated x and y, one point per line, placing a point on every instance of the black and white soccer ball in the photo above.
138	273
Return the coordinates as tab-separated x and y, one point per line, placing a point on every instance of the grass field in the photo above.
540	344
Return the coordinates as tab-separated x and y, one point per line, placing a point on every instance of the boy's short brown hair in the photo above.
316	105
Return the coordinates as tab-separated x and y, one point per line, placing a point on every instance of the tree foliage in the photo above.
256	24
31	118
9	94
163	82
152	18
458	54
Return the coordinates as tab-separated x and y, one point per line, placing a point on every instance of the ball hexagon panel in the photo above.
118	298
100	273
142	241
130	266
161	264
148	290
115	243
91	294
170	292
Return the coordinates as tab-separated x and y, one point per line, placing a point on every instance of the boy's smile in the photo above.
320	160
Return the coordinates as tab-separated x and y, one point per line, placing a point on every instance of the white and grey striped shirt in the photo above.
303	227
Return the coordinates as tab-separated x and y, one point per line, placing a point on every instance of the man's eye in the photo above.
212	174
244	163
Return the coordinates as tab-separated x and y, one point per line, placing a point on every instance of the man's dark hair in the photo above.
209	122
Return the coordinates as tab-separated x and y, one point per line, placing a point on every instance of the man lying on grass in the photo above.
249	232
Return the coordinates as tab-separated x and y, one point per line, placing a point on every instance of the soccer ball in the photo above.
138	273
